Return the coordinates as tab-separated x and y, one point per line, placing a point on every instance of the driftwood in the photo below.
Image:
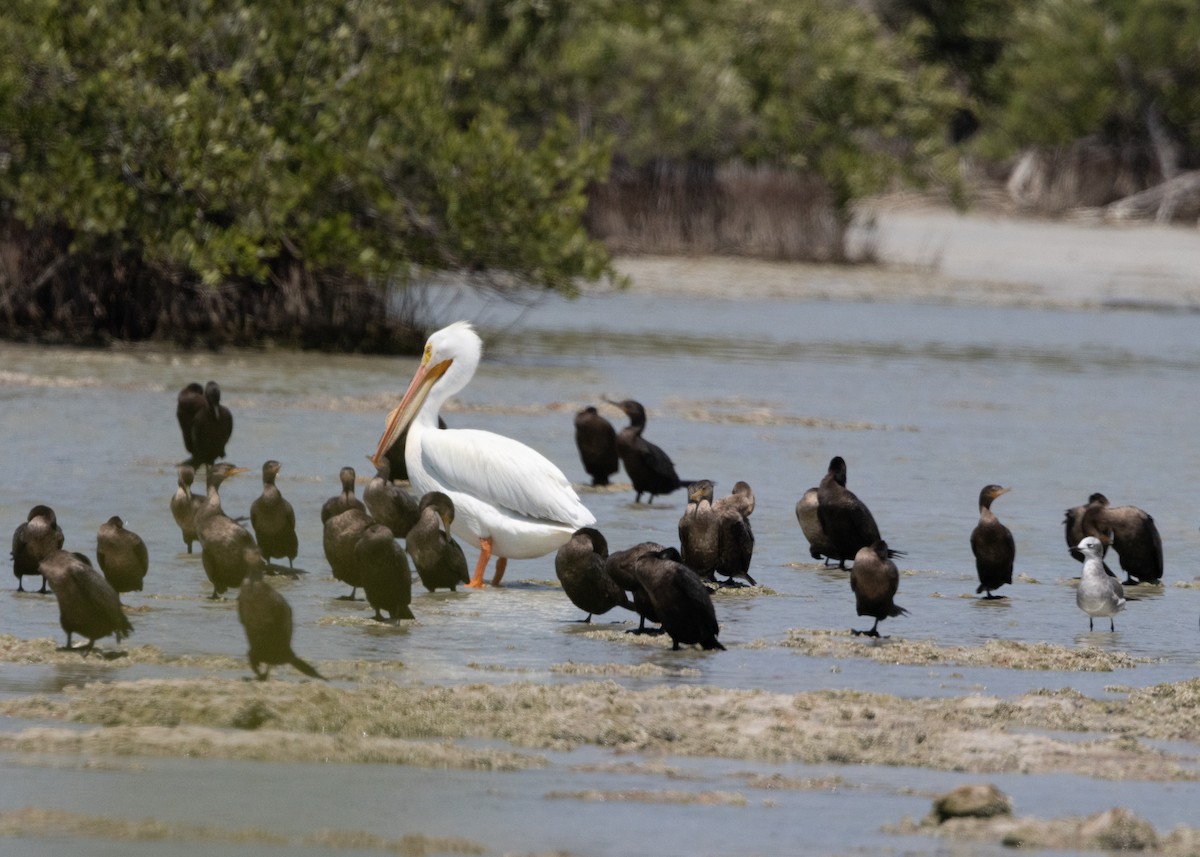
1175	200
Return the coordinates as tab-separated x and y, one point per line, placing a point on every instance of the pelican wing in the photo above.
503	472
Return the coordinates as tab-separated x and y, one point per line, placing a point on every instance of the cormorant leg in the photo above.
1112	626
485	555
378	617
501	567
68	646
1091	627
21	583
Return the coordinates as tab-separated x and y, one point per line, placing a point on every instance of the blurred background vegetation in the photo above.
227	171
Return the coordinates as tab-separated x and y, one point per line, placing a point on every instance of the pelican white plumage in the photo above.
507	497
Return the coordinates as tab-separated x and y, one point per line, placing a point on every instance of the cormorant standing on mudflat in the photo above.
596	440
439	559
212	427
345	500
383	573
993	545
122	556
274	519
649	468
579	565
34	540
680	598
874	580
267	619
87	604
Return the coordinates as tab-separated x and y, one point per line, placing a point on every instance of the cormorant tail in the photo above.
305	667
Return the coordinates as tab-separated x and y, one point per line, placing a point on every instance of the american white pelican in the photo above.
508	497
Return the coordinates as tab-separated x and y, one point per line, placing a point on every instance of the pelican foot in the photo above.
474	584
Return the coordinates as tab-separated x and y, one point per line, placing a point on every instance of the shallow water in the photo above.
927	403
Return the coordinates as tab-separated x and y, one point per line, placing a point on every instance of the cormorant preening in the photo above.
267	619
383	572
212	426
819	546
223	540
579	565
680	598
620	567
735	543
388	503
184	504
87	604
699	531
874	581
1129	530
596	440
274	519
1099	593
846	520
344	501
439	559
648	467
34	540
122	556
341	536
992	544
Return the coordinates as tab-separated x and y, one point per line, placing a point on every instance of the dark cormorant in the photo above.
735	538
819	546
579	565
874	581
992	544
87	604
439	559
699	531
184	504
345	501
212	427
846	520
383	572
188	403
1129	530
34	540
122	556
680	598
267	619
342	533
274	519
648	467
596	440
223	540
620	567
388	503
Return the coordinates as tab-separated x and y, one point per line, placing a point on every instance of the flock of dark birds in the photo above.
663	584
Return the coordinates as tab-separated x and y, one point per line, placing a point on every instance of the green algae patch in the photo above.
1002	654
975	733
48	823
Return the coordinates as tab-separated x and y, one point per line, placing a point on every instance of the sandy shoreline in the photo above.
931	253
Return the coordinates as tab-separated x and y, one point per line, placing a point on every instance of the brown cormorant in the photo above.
388	503
648	467
699	531
344	501
341	536
1129	530
267	619
274	519
122	556
874	580
222	539
87	604
846	520
439	559
680	599
212	427
741	499
992	544
33	541
579	565
384	573
620	567
184	504
596	440
819	546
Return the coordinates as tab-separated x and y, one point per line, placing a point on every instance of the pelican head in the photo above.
451	357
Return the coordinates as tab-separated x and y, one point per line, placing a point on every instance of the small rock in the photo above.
971	801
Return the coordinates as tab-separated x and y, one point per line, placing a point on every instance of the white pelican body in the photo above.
509	498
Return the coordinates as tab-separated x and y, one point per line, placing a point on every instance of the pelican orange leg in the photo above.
485	554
